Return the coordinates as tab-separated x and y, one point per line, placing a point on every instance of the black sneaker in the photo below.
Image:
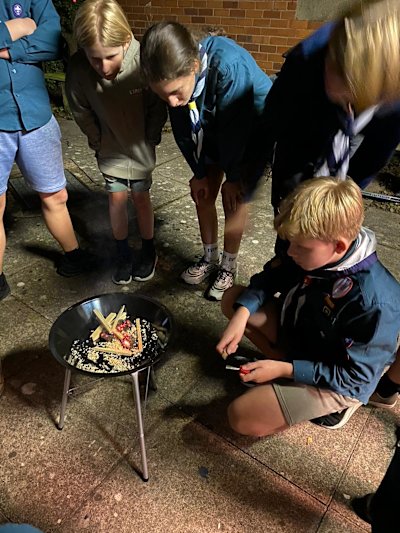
4	288
75	263
336	420
144	269
362	507
123	272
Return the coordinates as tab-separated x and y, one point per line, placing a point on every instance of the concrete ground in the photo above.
203	477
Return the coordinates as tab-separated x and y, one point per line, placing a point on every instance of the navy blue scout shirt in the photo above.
339	324
24	100
302	121
230	107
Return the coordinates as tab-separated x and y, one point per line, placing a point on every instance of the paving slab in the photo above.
203	477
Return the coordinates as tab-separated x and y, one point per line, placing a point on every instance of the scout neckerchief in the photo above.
338	160
197	131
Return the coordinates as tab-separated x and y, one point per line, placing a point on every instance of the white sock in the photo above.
211	254
229	261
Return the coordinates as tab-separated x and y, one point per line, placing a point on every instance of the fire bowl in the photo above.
77	322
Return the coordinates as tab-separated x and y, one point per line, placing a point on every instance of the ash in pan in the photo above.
83	354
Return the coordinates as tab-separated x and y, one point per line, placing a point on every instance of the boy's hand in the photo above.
20	27
198	189
234	332
231	195
266	370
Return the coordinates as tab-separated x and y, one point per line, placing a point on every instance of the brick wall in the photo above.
265	28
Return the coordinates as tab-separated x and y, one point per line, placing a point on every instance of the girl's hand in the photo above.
232	195
234	332
199	189
266	370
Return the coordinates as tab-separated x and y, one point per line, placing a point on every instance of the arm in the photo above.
373	334
44	43
80	106
155	116
17	28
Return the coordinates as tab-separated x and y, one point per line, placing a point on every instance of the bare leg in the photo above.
118	214
206	210
57	219
2	232
145	215
257	413
235	222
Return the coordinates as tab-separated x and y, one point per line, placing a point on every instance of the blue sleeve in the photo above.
374	336
5	37
235	116
278	275
44	44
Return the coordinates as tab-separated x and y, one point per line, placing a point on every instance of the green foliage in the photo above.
67	9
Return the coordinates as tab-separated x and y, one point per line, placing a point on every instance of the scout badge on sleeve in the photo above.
341	287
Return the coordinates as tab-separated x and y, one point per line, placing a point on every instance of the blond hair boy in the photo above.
334	326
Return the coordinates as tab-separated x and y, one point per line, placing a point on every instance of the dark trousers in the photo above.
384	508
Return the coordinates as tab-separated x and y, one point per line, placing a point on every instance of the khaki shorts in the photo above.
304	402
122	184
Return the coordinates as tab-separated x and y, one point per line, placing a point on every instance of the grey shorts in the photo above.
122	184
304	402
38	154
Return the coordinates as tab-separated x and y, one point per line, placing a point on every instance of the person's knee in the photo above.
243	424
141	200
54	200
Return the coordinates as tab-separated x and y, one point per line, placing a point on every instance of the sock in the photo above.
123	248
386	387
211	254
2	279
229	261
148	247
73	254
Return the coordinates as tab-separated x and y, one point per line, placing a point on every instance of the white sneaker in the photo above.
198	272
223	281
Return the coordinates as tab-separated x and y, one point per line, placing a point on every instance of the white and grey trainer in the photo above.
222	282
199	271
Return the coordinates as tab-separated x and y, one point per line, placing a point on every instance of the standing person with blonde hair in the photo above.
216	94
122	121
332	329
334	108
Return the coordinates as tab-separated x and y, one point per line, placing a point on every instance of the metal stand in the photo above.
138	407
136	394
67	380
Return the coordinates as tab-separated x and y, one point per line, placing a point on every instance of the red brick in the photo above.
237	13
245	38
230	4
206	12
191	11
198	20
254	13
251	47
279	23
268	49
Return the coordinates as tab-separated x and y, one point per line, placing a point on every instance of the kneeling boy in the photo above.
326	317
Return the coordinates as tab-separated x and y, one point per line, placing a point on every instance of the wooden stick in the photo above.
116	351
96	333
106	326
120	316
139	335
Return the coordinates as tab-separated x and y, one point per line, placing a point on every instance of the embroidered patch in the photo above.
341	287
17	10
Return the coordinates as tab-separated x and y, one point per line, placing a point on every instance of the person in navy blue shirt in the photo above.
216	94
29	134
